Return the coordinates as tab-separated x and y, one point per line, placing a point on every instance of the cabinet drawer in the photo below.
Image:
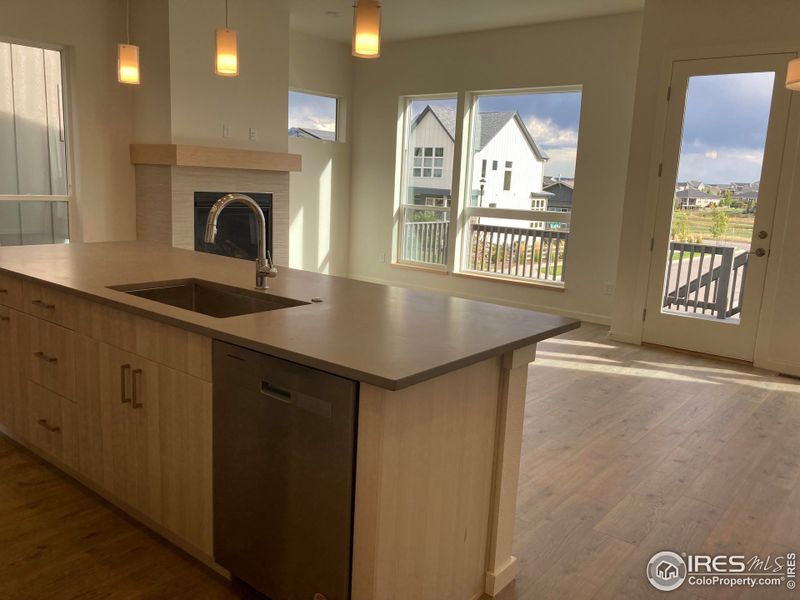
50	357
49	304
10	291
52	424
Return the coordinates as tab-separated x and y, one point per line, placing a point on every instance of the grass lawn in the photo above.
740	225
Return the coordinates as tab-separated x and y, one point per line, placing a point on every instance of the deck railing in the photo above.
426	241
518	252
705	279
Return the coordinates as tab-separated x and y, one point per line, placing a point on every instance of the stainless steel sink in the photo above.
208	298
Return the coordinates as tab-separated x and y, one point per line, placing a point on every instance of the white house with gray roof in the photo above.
507	166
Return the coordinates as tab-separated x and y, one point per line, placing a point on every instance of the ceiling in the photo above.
404	19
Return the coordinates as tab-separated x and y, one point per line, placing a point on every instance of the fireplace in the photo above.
237	233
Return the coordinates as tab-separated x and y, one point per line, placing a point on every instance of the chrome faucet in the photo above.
264	266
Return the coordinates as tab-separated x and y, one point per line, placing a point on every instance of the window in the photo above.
512	227
313	116
428	162
33	147
427	172
507	181
521	231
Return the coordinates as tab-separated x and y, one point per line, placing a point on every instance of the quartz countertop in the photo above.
387	336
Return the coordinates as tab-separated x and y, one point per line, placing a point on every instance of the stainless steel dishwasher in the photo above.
284	463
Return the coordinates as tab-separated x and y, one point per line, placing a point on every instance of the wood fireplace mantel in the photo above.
183	155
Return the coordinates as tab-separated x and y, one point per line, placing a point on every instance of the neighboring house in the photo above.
314	134
507	164
692	198
561	199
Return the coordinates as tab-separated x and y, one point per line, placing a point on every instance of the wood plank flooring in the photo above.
628	450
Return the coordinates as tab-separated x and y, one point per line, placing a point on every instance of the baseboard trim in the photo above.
499	580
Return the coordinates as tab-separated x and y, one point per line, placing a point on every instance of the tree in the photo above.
680	225
719	223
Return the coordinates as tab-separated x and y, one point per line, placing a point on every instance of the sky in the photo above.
725	124
312	111
725	127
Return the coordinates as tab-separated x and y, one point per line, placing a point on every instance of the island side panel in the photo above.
501	564
424	485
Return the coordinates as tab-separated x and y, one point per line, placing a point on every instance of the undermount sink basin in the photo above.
208	298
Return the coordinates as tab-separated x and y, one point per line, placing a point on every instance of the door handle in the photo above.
123	394
136	381
44	357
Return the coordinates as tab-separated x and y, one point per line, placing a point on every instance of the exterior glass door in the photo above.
723	145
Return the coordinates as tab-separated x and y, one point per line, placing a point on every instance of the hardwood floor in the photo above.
628	450
631	450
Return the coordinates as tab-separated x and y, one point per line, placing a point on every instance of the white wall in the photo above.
599	53
319	196
686	29
101	107
202	101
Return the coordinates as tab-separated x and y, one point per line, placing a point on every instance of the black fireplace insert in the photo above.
237	233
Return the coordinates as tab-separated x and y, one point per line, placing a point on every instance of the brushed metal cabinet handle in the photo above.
43	304
5	318
44	357
123	394
50	428
3	291
137	388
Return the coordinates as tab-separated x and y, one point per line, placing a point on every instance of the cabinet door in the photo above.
186	467
52	427
12	406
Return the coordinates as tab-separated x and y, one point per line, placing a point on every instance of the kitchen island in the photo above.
117	389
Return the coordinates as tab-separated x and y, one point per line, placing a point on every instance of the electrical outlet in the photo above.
253	134
382	257
608	289
226	130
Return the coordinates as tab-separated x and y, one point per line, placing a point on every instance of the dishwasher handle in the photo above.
274	392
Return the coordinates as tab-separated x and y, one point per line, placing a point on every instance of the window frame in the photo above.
339	118
404	171
467	212
68	124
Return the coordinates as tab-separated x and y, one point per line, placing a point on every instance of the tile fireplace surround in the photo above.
165	187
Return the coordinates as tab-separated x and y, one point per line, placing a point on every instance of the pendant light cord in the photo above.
226	14
128	21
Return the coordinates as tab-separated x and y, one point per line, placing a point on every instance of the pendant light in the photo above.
128	54
793	75
226	59
367	29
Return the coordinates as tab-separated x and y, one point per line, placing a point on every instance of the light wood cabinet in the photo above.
52	424
12	346
146	438
122	399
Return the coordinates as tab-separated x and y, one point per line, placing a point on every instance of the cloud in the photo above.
307	117
721	165
547	133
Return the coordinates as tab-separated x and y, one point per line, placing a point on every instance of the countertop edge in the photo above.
342	371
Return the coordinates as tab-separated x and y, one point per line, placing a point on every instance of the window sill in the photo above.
555	287
421	267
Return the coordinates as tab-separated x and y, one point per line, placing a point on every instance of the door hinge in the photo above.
669	93
660	168
652	244
644	314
